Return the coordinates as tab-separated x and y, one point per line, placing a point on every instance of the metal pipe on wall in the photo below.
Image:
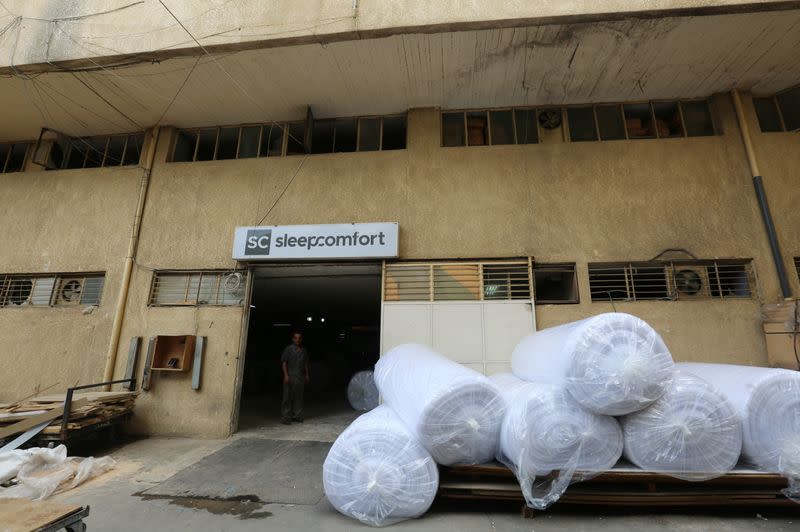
122	298
763	205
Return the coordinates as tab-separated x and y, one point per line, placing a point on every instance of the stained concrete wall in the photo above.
582	202
79	29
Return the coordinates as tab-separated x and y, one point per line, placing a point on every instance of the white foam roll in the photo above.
545	430
455	411
768	403
362	392
377	472
692	432
612	364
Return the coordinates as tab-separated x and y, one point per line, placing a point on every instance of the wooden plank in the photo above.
133	353
32	421
95	397
198	361
151	348
22	515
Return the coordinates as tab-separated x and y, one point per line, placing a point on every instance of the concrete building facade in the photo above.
633	163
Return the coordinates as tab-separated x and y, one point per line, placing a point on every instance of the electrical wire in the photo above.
288	184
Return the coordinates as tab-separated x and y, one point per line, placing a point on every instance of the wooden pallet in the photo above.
626	486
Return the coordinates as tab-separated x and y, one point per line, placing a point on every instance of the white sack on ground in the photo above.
692	432
40	472
768	403
362	392
612	364
377	472
455	412
545	431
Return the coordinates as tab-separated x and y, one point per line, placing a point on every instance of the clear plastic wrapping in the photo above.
549	441
362	392
692	432
768	403
377	472
40	472
612	364
455	412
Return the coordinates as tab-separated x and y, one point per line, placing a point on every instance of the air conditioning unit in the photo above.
70	291
688	281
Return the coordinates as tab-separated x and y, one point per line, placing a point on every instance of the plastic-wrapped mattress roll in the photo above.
692	432
768	403
544	431
455	412
378	473
612	364
362	392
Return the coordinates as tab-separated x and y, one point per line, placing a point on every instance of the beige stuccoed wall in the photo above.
66	221
77	29
624	200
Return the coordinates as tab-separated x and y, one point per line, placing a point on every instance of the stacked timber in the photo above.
89	409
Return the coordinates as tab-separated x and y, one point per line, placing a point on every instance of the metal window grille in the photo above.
198	288
671	280
62	289
797	267
457	281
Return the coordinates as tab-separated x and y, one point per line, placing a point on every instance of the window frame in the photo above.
669	268
53	300
4	164
557	267
774	99
217	294
490	142
85	143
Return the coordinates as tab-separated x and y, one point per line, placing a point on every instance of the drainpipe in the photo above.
122	298
758	184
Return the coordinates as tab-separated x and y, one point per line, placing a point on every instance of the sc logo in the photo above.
258	242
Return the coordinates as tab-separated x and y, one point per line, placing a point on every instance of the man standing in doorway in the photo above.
294	362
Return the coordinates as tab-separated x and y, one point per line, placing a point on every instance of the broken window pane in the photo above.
394	133
768	117
184	146
322	136
369	134
639	121
272	141
297	132
248	143
555	283
116	147
789	103
344	139
502	127
698	118
206	144
133	150
581	124
95	152
610	122
16	159
92	290
668	119
526	125
453	129
477	128
228	143
77	155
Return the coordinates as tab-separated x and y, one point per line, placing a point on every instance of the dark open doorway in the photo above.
337	308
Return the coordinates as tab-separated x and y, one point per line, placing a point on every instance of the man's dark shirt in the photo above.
295	358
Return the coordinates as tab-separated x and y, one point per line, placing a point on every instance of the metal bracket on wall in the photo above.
130	369
197	364
151	347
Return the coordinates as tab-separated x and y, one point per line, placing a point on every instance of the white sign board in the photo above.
303	242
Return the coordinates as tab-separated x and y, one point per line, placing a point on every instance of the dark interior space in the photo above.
336	307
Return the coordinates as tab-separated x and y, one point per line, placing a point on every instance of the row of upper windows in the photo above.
649	120
601	122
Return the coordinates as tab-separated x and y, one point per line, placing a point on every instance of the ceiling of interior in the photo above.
555	64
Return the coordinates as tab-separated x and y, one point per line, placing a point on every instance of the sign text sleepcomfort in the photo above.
331	241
